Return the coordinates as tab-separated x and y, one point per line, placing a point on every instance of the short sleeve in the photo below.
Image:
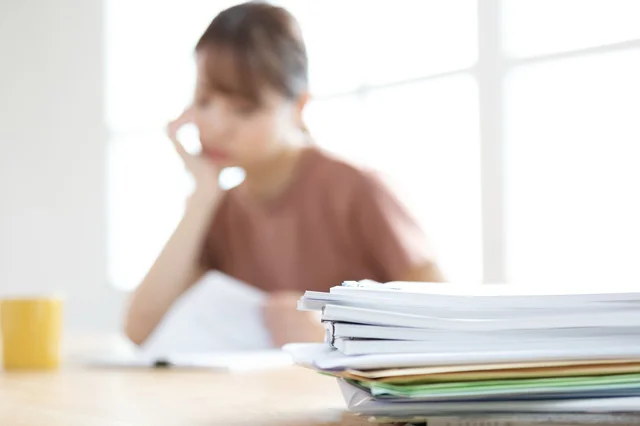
389	237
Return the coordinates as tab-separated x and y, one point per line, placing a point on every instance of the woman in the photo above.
302	219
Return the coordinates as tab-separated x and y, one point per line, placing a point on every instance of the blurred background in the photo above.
511	128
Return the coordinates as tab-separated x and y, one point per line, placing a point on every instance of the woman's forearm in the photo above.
177	267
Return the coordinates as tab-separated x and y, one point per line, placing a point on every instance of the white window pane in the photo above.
147	185
537	27
425	137
333	42
338	125
357	42
150	68
573	178
407	39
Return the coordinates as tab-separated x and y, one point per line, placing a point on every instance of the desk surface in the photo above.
100	397
83	396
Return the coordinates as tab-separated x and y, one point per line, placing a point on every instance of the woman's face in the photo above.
235	131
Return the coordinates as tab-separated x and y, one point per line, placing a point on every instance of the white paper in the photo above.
219	313
217	324
487	296
364	331
359	401
353	347
324	357
351	314
242	361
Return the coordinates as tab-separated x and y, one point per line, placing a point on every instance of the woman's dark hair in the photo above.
252	46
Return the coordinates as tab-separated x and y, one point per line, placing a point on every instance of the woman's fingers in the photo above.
176	144
174	126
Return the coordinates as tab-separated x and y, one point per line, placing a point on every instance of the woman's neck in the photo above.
272	178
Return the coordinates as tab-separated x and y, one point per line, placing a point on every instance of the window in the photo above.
572	142
514	147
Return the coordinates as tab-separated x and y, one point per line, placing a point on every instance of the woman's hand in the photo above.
288	325
203	170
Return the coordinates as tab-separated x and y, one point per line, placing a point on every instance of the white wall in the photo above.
52	139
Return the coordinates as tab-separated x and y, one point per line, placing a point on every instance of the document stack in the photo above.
423	351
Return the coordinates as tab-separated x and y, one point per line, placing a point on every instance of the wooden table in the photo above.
84	396
92	397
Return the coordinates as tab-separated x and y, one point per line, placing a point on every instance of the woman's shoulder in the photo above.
335	170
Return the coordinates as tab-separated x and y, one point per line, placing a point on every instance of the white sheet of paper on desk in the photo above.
243	361
219	313
216	324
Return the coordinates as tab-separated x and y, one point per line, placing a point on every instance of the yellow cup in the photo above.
31	333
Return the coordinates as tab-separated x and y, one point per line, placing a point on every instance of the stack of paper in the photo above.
418	349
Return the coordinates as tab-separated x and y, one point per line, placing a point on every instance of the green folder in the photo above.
506	387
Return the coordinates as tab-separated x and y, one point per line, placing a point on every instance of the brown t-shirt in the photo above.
335	223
